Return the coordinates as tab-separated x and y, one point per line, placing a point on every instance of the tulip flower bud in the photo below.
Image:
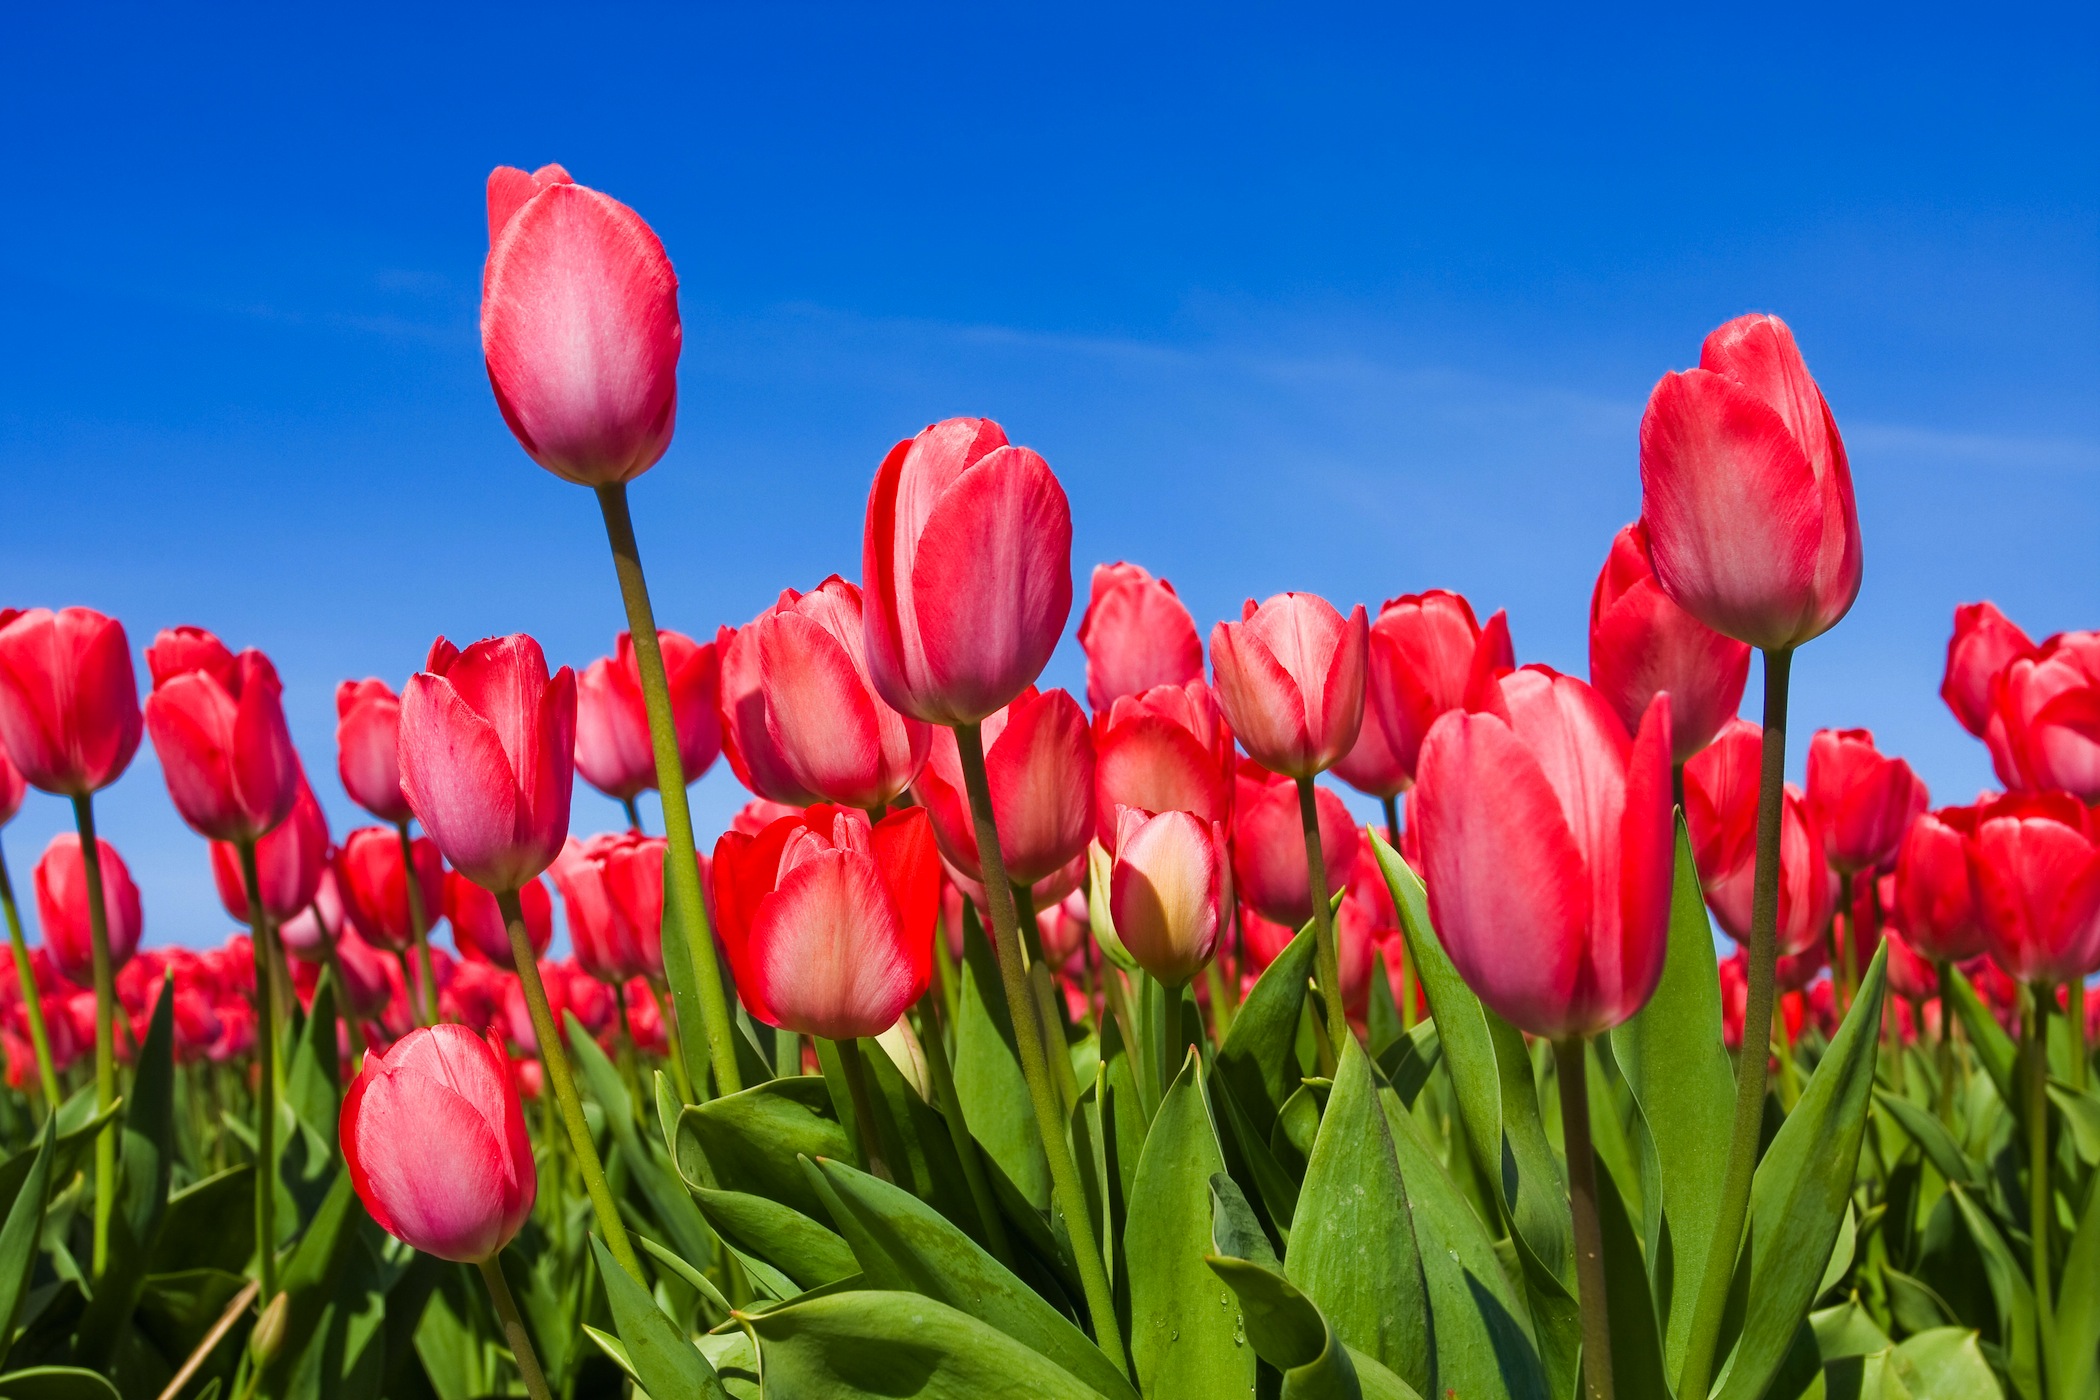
368	747
1936	887
1720	807
1170	891
1039	763
1137	634
69	705
1641	643
1167	749
1268	844
1291	676
613	749
2037	863
434	1136
1863	802
1423	649
288	863
1984	643
62	905
2044	726
373	883
478	928
217	722
266	1339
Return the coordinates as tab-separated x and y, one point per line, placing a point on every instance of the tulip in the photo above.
13	788
1863	802
288	863
1423	649
1290	675
217	723
1936	886
2044	726
1911	975
613	750
1137	634
1039	762
1984	643
1170	892
309	934
1268	845
368	747
371	877
62	905
747	739
1373	768
1720	807
1063	926
2037	867
607	944
1167	749
1641	643
477	923
368	978
69	708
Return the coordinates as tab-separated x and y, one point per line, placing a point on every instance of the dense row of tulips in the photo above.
1009	1045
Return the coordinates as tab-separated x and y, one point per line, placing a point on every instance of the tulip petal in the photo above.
828	951
1265	706
457	776
1040	769
430	1155
819	711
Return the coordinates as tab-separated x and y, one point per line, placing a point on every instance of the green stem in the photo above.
419	925
554	1061
1848	945
32	1004
682	900
1573	1075
936	1048
679	1078
634	815
105	1026
856	1072
1751	1067
266	1081
1944	1051
1065	1185
1329	959
2076	1011
2040	1203
514	1331
787	1053
1166	1003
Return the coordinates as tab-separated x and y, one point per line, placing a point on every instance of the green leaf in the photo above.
2081	1114
313	1083
1636	1342
1801	1190
1382	1020
782	1236
1946	1364
666	1363
1289	1333
210	1225
309	1278
2011	1293
877	1345
1352	1249
18	1236
1258	1059
988	1078
2078	1308
1846	1330
1184	1324
668	1202
1408	1061
1277	1188
1993	1047
55	1383
1932	1138
750	1141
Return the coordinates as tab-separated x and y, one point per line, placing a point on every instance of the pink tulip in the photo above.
579	325
477	923
288	863
310	933
1863	802
1137	634
1167	749
1546	834
1720	807
2036	857
613	750
371	878
434	1136
1641	642
1170	891
12	789
217	722
368	747
1423	649
1371	765
62	905
747	737
1290	675
1039	763
1936	886
1984	643
487	757
2044	726
69	705
967	563
1263	939
1268	844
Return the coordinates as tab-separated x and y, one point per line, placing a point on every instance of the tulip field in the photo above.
1012	1043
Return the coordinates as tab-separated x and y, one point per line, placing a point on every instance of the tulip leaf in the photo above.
1185	1329
784	1237
683	979
1408	1062
209	1225
750	1141
56	1383
1945	1363
668	1202
1636	1341
1846	1330
665	1362
1382	1012
1932	1138
1258	1059
1801	1191
1993	1048
313	1083
1247	1151
2078	1308
2080	1112
2011	1293
988	1078
18	1235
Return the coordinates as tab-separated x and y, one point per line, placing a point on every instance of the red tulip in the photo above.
1039	763
1546	836
579	325
1290	675
613	751
474	996
197	1026
371	979
612	890
62	904
368	747
1064	928
1042	894
1423	649
967	563
1936	887
217	722
1863	802
1170	891
487	757
434	1136
2044	727
1168	749
308	934
1137	634
69	705
1371	766
747	739
1746	492
2037	865
1720	807
477	923
1911	976
758	814
829	922
1262	940
370	877
288	863
1984	643
1641	642
1357	935
1268	844
12	788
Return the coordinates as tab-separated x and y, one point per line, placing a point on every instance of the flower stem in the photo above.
1944	1051
1329	958
266	1080
2040	1200
1568	1061
554	1061
680	1080
514	1331
32	1004
856	1072
634	815
682	898
419	925
1065	1186
1751	1066
2075	995
958	1131
105	1027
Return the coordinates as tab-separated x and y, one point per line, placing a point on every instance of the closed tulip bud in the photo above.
308	934
1746	492
1984	643
1863	801
1936	887
2044	727
613	750
1039	763
967	562
1641	643
434	1135
2037	864
747	738
12	788
217	722
1423	649
1720	807
579	326
1911	977
372	880
62	905
1291	676
1268	844
487	757
829	921
69	704
288	863
368	747
478	929
1167	749
1137	634
1170	891
1371	766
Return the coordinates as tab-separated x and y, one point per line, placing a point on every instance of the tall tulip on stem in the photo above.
367	740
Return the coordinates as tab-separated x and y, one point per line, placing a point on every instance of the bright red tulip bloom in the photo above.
1137	634
2037	864
1746	492
487	757
69	705
1863	801
478	929
2044	726
1423	649
288	863
13	788
308	934
1170	891
1720	807
217	722
613	750
747	739
967	563
1911	976
1936	886
1546	833
197	1026
1262	940
434	1136
1984	643
828	921
1039	763
1641	642
579	325
1371	766
1167	749
368	747
62	905
612	887
374	886
1291	674
1268	844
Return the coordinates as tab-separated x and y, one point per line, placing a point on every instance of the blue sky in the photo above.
1361	303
